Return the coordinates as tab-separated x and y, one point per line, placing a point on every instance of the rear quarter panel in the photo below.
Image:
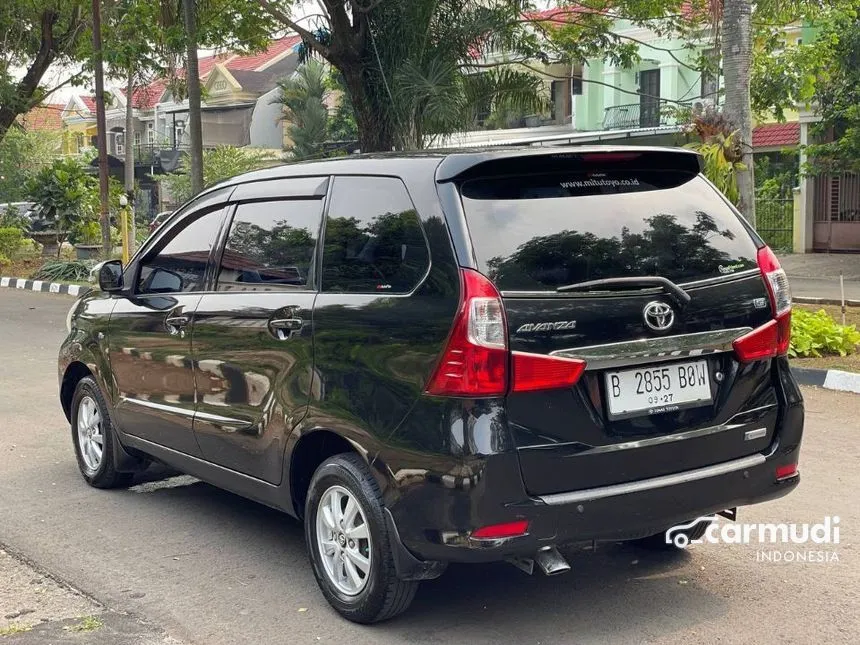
374	353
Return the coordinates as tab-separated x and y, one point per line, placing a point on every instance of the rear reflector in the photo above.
506	530
784	472
539	372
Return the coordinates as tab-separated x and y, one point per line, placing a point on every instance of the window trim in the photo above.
221	243
181	219
321	241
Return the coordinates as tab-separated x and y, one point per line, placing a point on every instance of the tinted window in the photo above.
180	265
271	246
373	238
540	232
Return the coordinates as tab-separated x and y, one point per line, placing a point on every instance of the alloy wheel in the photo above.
343	540
90	435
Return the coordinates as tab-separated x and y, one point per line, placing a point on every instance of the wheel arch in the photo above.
310	450
75	371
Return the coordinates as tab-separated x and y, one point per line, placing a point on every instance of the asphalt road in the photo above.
208	567
824	288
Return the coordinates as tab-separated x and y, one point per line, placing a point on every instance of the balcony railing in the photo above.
646	114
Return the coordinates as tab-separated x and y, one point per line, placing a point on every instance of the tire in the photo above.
97	467
378	594
680	539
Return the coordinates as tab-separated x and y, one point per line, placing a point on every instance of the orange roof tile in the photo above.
776	134
255	61
46	118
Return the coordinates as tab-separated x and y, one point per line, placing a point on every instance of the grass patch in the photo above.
86	624
846	364
14	628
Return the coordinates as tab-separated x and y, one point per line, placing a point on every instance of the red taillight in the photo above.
776	281
538	372
758	344
475	361
476	358
506	530
785	472
773	338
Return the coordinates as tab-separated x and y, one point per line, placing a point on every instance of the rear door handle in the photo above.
283	328
176	323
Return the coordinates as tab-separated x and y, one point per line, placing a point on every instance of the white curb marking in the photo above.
843	381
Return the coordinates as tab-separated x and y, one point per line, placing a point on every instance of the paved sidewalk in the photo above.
816	275
37	609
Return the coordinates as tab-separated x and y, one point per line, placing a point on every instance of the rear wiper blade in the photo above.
644	282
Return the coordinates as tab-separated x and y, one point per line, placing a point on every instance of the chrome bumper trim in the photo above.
591	494
653	350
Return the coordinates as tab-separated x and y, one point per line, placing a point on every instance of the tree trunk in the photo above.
129	157
101	128
737	57
192	77
27	87
374	133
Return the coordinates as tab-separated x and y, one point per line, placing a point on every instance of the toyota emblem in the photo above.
658	316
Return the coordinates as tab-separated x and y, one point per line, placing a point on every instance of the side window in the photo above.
271	246
180	265
373	238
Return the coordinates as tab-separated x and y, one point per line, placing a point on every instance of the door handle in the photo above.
283	328
175	324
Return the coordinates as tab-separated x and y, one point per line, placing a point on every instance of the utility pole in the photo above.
101	134
192	77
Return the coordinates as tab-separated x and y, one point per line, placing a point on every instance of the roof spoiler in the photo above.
462	166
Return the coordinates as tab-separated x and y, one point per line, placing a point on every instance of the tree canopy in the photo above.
36	35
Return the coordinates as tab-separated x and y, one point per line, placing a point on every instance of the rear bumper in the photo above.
609	515
434	512
435	515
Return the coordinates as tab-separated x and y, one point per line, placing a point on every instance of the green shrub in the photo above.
11	241
59	270
817	334
12	217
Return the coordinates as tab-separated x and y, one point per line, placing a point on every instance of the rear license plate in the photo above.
657	389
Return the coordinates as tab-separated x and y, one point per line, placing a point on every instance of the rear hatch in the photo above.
634	263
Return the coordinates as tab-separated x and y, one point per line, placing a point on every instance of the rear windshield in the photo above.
540	232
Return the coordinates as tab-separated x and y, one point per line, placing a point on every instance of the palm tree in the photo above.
303	97
411	67
427	58
737	58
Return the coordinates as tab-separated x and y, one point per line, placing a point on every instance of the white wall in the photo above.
267	130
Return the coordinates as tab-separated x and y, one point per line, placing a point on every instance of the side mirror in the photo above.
110	276
163	281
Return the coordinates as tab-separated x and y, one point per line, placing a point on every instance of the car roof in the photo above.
447	164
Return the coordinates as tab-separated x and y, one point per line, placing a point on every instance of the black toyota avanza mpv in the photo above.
448	357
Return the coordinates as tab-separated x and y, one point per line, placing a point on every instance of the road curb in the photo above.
44	286
806	300
828	379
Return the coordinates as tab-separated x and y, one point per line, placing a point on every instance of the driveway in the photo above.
208	567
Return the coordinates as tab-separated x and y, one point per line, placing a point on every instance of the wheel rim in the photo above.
90	435
343	540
